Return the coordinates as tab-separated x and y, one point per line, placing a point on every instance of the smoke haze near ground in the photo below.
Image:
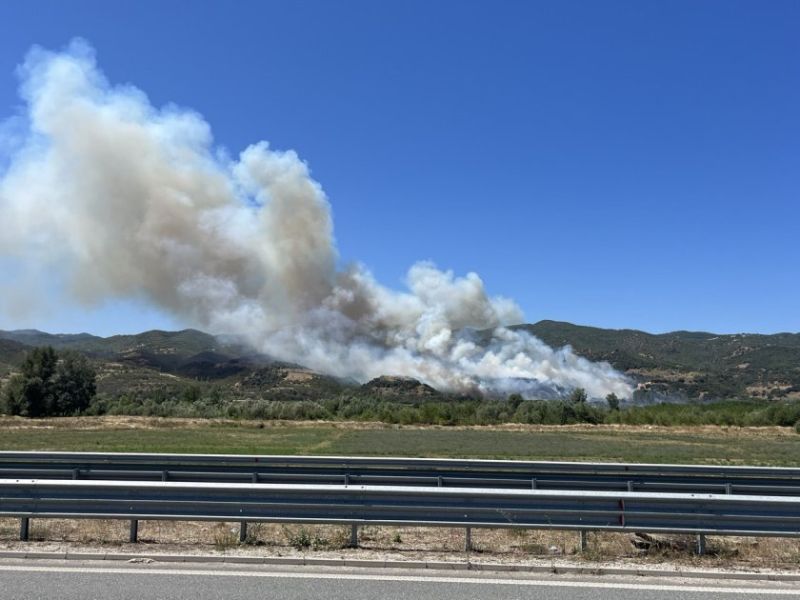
125	200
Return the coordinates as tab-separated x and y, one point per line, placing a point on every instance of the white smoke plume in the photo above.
126	200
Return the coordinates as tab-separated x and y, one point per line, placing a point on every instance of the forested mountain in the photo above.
698	364
680	364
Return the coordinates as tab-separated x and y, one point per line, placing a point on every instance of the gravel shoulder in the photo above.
517	548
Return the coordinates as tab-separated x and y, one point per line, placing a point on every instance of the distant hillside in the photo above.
185	342
674	365
165	364
34	337
697	364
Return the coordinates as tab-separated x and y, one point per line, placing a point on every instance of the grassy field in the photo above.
760	446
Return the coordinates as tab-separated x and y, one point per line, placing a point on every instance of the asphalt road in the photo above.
35	580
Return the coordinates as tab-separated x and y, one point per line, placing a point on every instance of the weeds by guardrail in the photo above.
701	514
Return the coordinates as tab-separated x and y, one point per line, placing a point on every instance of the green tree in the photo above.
74	385
613	401
12	399
514	400
578	396
36	385
191	394
46	385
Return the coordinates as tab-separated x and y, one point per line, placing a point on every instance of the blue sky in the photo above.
619	164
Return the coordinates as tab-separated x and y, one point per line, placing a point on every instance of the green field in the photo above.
762	446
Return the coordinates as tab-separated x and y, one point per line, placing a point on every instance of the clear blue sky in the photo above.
620	164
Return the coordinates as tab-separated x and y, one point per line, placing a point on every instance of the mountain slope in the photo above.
697	364
676	365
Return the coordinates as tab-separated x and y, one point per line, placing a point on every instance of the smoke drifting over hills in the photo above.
128	200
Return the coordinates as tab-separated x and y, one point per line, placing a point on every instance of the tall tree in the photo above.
578	396
74	384
37	373
49	385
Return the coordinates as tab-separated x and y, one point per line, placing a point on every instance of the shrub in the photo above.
299	538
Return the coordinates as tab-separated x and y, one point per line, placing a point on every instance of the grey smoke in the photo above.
126	200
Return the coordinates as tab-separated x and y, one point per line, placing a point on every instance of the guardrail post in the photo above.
533	483
353	535
701	544
630	486
468	539
133	535
24	528
76	473
584	544
242	532
728	488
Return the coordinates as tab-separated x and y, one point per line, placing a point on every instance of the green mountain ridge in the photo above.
675	365
695	364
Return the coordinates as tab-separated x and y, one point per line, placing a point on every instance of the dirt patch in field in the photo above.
130	422
105	422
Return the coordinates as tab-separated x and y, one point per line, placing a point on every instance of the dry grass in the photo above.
111	422
412	543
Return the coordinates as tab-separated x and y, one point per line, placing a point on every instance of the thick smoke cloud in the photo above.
127	200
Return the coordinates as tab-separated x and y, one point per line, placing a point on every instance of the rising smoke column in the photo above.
122	200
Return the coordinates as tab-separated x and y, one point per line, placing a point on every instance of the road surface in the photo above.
72	580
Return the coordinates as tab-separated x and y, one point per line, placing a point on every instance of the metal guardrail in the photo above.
415	506
393	505
401	491
495	474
